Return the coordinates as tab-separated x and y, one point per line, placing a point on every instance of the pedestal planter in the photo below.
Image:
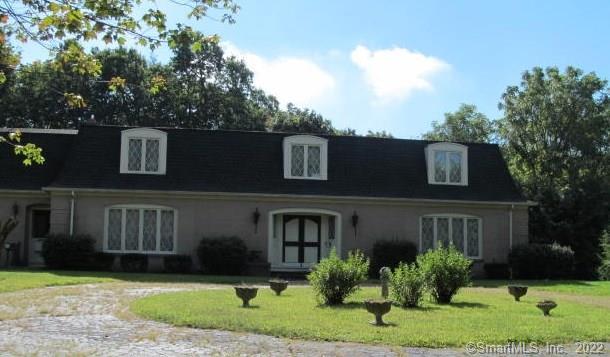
378	308
546	306
278	286
517	291
246	293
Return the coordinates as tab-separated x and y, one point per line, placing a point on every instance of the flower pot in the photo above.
278	286
378	308
246	293
546	306
517	291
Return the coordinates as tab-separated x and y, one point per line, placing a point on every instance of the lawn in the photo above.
480	315
580	287
13	280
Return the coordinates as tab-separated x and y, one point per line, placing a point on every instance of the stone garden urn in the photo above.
546	306
246	293
378	308
517	291
384	277
278	285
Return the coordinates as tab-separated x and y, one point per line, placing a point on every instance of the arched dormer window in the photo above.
143	151
305	157
447	164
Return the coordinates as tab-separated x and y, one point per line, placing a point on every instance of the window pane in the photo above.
132	229
152	155
442	231
134	162
313	161
472	231
440	166
427	233
149	233
298	160
457	233
167	231
455	167
114	229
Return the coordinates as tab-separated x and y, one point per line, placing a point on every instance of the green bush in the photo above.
223	255
61	251
541	261
102	261
389	253
177	264
134	263
333	279
407	285
496	271
603	271
445	271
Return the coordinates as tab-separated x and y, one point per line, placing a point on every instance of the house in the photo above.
158	191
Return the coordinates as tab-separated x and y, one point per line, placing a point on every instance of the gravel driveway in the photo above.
94	320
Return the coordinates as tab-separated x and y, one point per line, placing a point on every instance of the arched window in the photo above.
143	151
461	231
447	164
305	157
140	229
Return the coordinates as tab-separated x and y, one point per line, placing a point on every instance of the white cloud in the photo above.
396	73
290	79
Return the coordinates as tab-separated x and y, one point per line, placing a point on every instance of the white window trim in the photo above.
144	134
452	215
306	140
449	147
141	208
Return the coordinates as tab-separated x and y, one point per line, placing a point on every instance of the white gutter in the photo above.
510	226
72	215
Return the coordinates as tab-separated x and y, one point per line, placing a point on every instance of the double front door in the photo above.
301	240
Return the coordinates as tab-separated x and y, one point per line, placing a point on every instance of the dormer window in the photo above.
447	164
305	157
143	151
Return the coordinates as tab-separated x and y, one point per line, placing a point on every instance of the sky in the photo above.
399	65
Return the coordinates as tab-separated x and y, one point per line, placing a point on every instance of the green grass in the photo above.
13	280
579	287
478	315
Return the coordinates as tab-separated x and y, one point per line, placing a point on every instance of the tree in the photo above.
296	120
379	134
464	125
556	135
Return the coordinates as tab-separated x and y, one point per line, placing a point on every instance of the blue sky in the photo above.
398	65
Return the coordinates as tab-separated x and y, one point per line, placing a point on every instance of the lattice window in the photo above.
132	229
167	231
427	233
114	229
151	163
149	230
440	166
442	231
298	160
472	233
455	167
135	155
457	233
313	161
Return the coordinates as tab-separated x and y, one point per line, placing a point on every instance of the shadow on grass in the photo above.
504	283
468	305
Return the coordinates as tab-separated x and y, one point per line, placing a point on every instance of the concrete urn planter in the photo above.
278	285
246	293
378	308
517	291
546	306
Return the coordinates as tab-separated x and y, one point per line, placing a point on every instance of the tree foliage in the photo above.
466	124
556	136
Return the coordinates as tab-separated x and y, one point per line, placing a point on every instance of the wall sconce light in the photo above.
15	209
256	217
355	223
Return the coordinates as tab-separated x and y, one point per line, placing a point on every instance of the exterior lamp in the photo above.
256	217
355	223
15	209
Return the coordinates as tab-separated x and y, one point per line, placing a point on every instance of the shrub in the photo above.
603	271
102	261
389	253
496	271
61	251
407	285
445	271
134	263
223	255
179	264
333	279
541	261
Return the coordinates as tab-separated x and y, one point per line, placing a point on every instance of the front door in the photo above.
301	240
39	229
